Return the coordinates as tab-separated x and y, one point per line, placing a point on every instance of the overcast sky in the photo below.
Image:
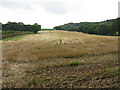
50	13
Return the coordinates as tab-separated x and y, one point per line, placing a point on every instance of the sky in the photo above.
51	13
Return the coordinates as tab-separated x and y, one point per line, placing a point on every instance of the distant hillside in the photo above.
108	27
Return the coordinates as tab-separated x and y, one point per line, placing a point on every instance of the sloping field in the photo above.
61	59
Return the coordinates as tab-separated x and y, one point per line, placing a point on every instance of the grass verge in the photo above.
15	38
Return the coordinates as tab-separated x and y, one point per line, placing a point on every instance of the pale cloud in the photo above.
50	13
16	5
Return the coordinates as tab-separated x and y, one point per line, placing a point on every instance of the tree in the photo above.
36	28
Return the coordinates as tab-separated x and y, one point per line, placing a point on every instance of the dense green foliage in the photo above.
12	29
108	27
14	26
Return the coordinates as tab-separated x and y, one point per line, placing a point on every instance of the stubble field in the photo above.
61	59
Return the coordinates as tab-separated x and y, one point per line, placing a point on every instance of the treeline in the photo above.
14	26
108	27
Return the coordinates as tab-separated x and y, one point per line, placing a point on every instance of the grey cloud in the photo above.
16	5
54	7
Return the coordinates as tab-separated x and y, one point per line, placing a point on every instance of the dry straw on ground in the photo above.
43	60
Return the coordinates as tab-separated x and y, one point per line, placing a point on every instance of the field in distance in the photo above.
61	59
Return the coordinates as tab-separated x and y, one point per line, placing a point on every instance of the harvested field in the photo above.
44	60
